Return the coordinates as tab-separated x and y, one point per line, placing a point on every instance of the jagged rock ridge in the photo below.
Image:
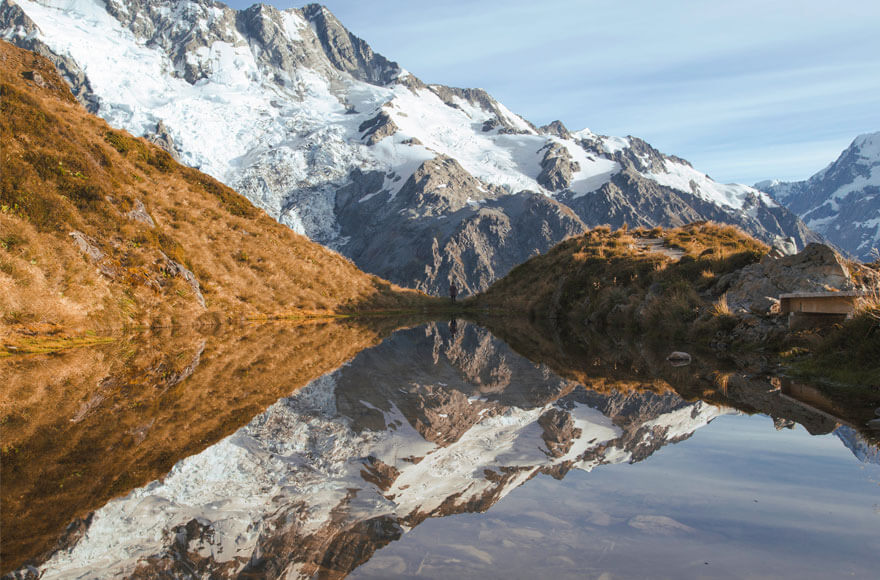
841	202
310	124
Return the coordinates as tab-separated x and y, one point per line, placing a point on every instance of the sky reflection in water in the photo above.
378	469
739	499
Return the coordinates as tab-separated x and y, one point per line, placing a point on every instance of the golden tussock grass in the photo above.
65	170
615	281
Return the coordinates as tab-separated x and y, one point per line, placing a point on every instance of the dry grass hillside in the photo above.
100	230
667	288
636	283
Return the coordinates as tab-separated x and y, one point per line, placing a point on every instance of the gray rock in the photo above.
446	226
783	247
139	214
557	129
557	168
87	246
36	77
377	128
678	358
162	137
756	288
346	51
177	269
483	100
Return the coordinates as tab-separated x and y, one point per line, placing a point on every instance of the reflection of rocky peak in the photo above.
324	478
864	450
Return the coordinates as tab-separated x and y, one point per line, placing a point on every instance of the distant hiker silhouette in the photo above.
453	292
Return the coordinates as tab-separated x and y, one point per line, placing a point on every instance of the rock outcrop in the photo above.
817	268
177	269
557	168
162	137
447	227
377	128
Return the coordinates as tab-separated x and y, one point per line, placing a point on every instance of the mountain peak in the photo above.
868	145
842	201
302	117
346	51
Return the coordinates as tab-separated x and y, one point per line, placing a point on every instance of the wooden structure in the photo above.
806	309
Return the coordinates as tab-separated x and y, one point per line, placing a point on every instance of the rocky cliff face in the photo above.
311	125
817	268
436	421
841	202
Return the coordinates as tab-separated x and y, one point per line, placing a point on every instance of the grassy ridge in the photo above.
666	287
624	283
137	210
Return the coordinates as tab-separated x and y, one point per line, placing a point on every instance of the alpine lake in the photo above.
442	449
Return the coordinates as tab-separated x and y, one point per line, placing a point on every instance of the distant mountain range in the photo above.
421	184
841	202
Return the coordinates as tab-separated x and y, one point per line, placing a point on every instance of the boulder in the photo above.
817	268
679	358
87	246
36	77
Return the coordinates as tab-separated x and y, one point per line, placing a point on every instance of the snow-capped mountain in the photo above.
324	478
841	202
418	183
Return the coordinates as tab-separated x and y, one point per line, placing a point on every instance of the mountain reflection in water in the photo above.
447	420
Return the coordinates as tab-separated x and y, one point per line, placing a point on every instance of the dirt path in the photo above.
656	245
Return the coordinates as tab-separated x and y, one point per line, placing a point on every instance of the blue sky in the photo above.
745	90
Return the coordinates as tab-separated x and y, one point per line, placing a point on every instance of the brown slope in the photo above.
100	230
650	284
86	425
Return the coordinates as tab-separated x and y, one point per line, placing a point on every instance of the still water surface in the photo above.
443	453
